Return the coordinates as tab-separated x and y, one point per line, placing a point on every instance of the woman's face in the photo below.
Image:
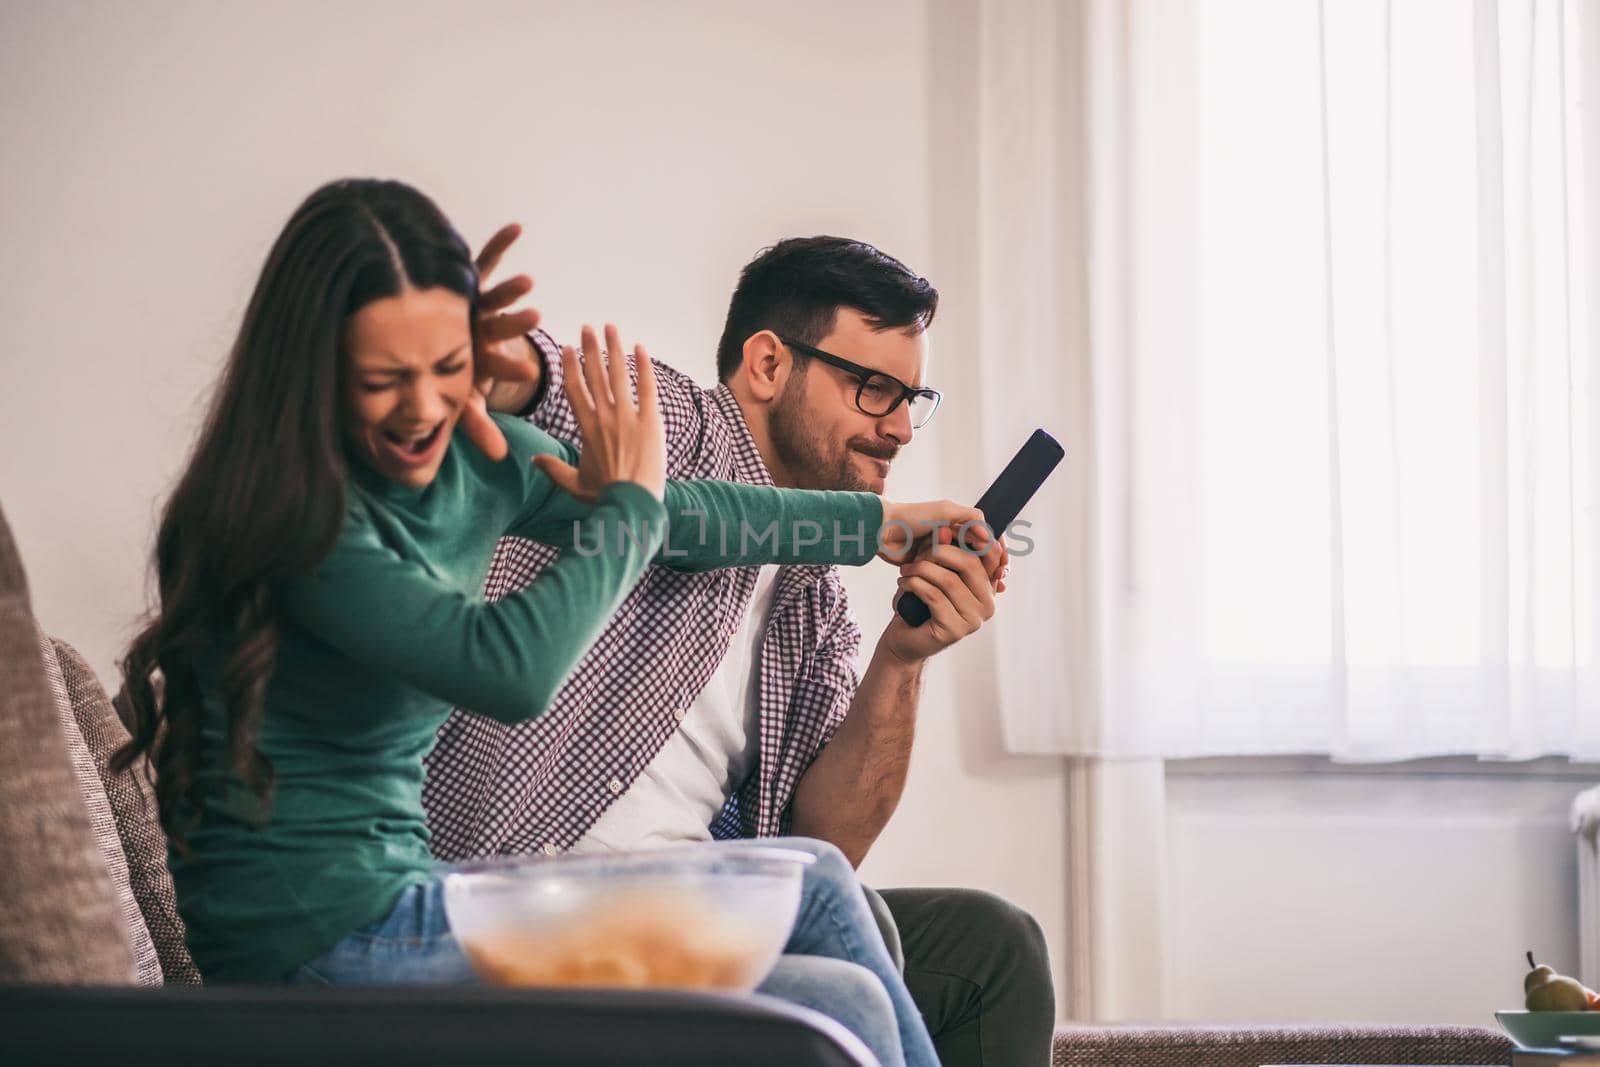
409	376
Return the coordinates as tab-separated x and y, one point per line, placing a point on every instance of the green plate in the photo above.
1544	1029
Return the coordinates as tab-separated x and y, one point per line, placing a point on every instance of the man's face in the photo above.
819	434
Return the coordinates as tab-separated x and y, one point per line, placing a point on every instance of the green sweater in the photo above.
389	632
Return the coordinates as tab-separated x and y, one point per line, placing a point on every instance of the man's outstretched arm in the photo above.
854	785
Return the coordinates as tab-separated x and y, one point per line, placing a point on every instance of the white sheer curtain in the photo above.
1303	287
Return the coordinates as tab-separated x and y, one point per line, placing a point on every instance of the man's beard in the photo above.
813	460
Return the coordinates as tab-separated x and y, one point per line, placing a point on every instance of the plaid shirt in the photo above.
540	785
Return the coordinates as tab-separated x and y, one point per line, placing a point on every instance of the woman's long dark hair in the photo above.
263	497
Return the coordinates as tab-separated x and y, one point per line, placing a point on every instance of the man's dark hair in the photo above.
797	287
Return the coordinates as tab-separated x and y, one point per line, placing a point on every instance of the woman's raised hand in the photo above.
500	354
622	441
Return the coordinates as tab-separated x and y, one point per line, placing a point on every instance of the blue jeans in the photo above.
835	961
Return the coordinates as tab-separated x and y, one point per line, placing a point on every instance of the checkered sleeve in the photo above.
553	412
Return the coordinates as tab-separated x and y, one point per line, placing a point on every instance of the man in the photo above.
727	704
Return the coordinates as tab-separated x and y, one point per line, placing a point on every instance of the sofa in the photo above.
93	966
1253	1044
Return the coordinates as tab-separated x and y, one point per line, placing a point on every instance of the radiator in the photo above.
1586	827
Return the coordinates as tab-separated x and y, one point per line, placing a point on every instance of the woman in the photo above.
320	566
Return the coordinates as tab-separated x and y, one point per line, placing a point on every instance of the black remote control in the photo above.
1001	503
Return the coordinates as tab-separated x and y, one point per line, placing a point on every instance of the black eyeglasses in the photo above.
877	393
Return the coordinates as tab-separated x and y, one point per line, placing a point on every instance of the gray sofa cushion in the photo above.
102	822
1247	1045
133	804
60	922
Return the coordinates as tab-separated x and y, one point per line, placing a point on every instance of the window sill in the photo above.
1549	767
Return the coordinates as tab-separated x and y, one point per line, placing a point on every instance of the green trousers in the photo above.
979	971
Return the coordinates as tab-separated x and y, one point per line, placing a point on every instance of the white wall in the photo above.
150	152
1300	891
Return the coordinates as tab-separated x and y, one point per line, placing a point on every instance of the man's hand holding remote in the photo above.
959	585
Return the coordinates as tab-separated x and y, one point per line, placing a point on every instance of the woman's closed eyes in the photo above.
448	367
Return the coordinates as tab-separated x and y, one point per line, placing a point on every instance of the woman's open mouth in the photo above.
414	449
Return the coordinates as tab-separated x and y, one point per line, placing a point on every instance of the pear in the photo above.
1538	976
1549	991
1559	994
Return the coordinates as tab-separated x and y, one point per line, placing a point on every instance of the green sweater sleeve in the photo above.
712	524
505	660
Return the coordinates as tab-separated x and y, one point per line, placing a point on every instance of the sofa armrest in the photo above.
1249	1045
402	1027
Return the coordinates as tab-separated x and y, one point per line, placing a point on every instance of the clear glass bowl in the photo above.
697	917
